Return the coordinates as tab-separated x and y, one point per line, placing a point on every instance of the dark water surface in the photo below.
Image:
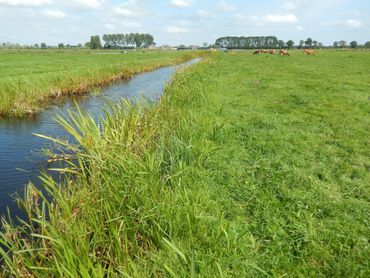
20	161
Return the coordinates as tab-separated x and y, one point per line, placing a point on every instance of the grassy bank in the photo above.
30	80
249	166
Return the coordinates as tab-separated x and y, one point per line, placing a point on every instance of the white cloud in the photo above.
120	24
291	6
204	13
132	8
181	3
254	20
177	30
353	23
330	23
299	28
92	4
110	26
276	18
312	6
24	2
55	13
226	7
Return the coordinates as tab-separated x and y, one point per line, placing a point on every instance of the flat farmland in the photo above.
30	80
249	166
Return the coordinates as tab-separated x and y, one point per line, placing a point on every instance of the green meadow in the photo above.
249	166
33	79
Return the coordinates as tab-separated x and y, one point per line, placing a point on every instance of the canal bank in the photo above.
21	159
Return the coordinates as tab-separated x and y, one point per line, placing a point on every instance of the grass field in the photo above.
250	166
30	80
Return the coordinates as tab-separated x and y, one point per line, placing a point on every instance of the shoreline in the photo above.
22	109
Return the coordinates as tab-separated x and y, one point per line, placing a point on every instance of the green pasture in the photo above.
250	166
32	79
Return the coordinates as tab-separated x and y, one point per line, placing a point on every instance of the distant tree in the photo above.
290	44
137	40
147	40
342	44
127	40
43	45
205	44
320	45
353	44
61	45
95	42
98	42
88	45
281	43
336	44
367	44
247	42
301	44
308	42
36	45
314	44
80	45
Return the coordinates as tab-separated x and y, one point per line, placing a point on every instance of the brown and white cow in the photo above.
309	52
284	52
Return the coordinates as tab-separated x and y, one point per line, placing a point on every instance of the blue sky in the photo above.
183	21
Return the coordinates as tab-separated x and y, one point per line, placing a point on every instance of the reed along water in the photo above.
21	159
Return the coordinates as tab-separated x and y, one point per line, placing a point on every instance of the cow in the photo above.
284	52
309	52
272	51
265	51
257	51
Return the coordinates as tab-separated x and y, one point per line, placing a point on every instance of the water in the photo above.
20	162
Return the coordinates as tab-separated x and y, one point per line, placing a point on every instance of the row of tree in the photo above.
262	42
310	43
120	41
133	40
273	42
352	44
127	40
111	41
247	42
43	45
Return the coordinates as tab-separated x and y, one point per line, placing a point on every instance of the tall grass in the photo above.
119	213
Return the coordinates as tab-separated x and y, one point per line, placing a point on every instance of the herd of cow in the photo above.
282	52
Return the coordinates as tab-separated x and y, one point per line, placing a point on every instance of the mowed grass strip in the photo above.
251	166
30	80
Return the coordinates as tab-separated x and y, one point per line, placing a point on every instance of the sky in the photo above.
186	22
